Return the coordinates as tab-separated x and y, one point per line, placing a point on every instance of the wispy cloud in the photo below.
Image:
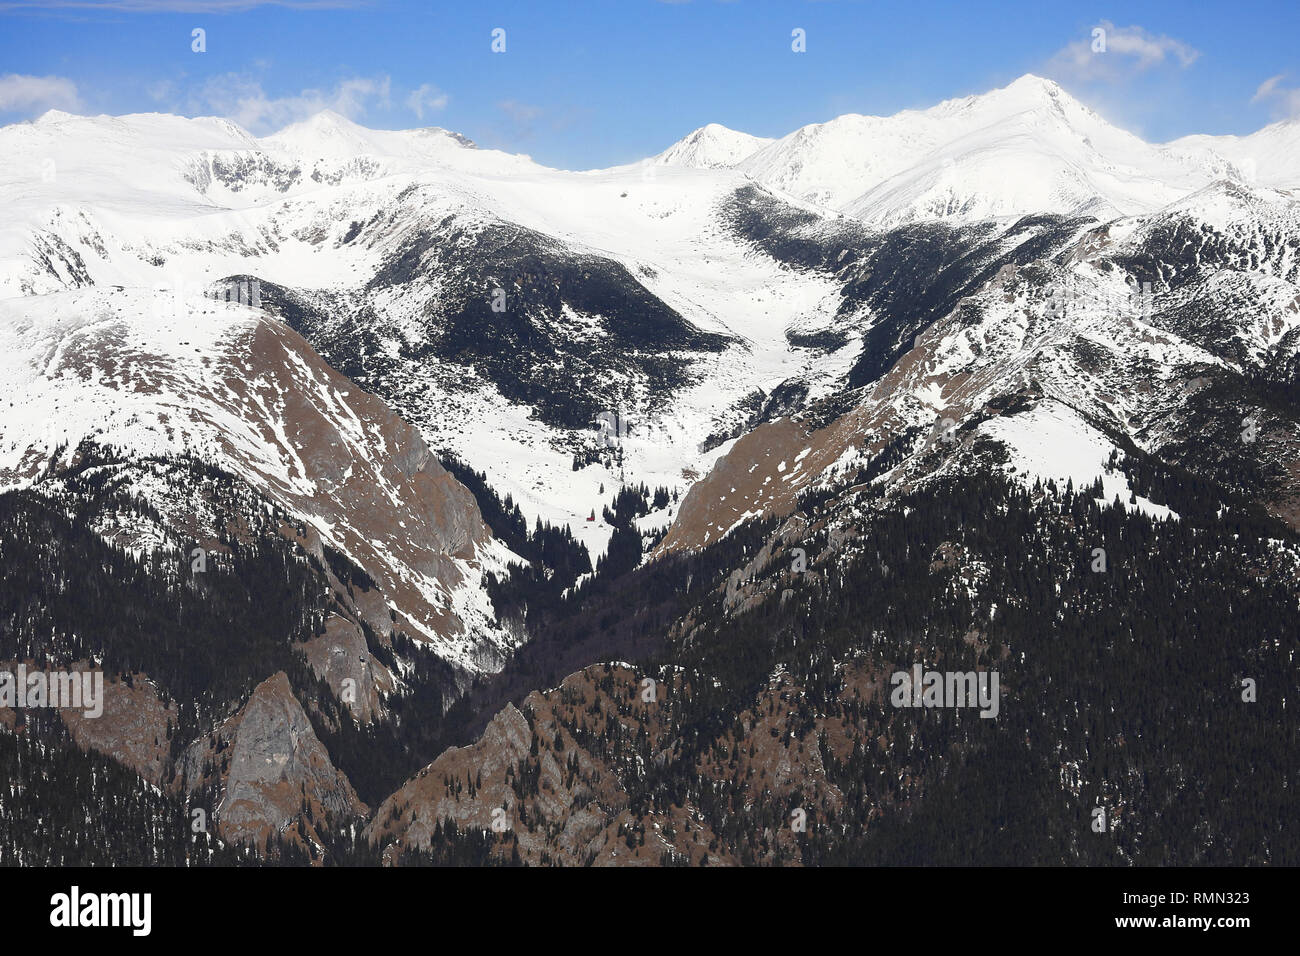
1285	100
517	123
241	98
23	94
521	117
519	112
1113	54
177	6
426	97
161	91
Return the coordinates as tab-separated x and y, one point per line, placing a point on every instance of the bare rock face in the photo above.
270	761
545	779
131	725
554	779
142	374
504	743
762	474
340	655
341	454
132	728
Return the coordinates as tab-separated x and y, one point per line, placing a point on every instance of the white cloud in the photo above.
1267	88
36	94
519	112
521	118
160	91
426	98
1284	99
1127	51
241	98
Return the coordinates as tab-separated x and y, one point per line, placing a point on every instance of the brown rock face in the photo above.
347	459
556	776
340	655
269	762
1003	351
746	482
539	779
132	729
248	393
767	470
131	726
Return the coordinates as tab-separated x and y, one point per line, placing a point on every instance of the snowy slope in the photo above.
325	205
396	240
1026	148
1051	367
151	377
1268	156
710	147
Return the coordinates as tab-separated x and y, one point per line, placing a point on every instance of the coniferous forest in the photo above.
1122	689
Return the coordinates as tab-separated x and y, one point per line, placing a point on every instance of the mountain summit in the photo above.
710	147
1028	147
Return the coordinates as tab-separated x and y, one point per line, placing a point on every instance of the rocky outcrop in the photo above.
536	778
341	658
133	728
272	769
153	376
556	780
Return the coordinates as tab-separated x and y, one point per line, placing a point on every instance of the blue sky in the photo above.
585	83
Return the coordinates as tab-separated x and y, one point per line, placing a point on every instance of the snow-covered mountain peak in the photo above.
127	132
331	135
1035	83
327	119
1031	87
1028	147
1027	93
50	117
1230	203
1268	156
327	134
710	147
335	148
836	162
